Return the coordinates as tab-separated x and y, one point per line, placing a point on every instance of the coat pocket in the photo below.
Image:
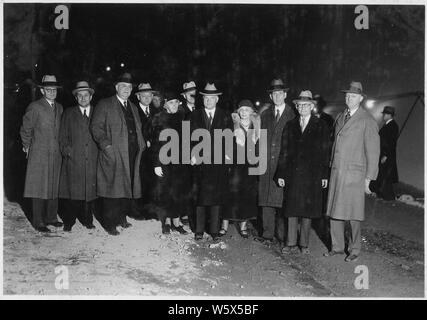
355	174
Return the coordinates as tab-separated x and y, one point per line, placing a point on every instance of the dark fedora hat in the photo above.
245	103
210	90
83	85
355	87
124	77
49	81
388	110
277	85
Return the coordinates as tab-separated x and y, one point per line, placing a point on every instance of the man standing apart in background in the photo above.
354	163
40	140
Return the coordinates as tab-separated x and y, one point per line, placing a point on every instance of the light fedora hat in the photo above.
305	96
81	86
355	87
210	90
277	85
49	81
189	86
144	87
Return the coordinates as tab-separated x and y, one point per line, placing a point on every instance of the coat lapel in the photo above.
118	106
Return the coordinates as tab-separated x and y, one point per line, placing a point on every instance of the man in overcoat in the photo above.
270	196
40	136
116	128
354	163
387	174
210	178
77	188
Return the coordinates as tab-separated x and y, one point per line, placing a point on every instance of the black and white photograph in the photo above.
204	150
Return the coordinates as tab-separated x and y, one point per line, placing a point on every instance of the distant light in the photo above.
35	65
122	64
108	68
370	104
257	103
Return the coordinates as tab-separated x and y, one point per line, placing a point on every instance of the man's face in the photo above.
157	101
190	96
210	101
123	90
84	98
49	92
353	100
305	108
278	97
172	106
145	98
387	117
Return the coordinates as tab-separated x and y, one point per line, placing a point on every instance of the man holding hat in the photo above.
116	128
39	134
210	178
354	163
387	174
270	195
77	189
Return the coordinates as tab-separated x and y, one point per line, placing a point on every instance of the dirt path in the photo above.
141	261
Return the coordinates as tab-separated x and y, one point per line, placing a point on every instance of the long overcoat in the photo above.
211	180
354	158
269	193
108	127
388	140
80	155
40	134
303	163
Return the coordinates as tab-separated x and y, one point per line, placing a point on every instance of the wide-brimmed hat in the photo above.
305	96
83	85
49	81
245	103
124	77
277	85
210	90
355	87
189	86
388	110
144	87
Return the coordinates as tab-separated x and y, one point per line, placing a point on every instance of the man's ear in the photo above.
217	99
271	96
286	94
42	91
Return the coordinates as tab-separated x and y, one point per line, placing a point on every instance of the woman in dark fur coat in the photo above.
167	193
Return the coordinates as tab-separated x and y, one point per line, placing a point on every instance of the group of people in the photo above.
110	159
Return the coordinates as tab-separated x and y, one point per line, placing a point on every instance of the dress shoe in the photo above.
56	224
332	253
198	236
244	233
126	225
290	249
113	232
166	229
215	237
90	226
67	228
352	258
185	221
43	229
180	229
222	232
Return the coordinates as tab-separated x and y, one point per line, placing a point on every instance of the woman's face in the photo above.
245	112
172	106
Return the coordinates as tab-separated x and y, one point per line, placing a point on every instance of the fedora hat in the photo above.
245	103
305	96
210	90
124	77
388	110
189	86
83	85
277	85
144	87
49	81
355	87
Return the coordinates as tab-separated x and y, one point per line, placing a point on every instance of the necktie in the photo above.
277	115
210	120
347	116
85	114
125	105
302	123
147	113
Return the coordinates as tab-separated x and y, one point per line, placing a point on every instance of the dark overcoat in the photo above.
303	163
80	155
354	158
211	180
108	127
40	135
388	140
269	193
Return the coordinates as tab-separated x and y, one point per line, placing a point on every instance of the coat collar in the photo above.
344	126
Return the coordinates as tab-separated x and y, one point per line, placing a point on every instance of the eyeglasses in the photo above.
304	105
50	90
